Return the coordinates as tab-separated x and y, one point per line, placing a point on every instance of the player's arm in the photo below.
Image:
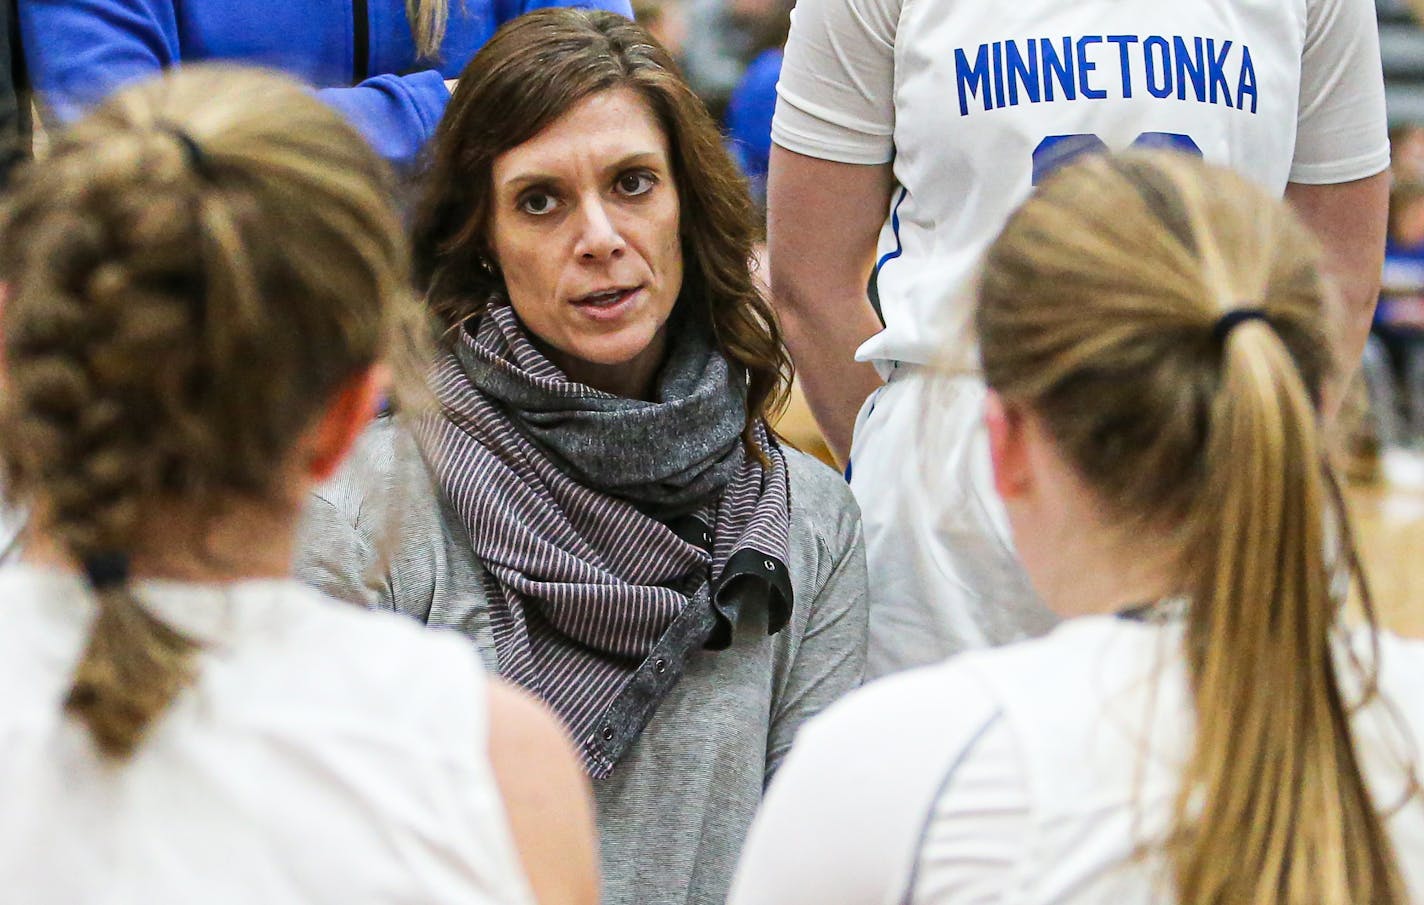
546	797
828	191
823	218
1349	218
1337	182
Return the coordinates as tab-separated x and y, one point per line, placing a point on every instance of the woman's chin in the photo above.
611	356
610	348
621	364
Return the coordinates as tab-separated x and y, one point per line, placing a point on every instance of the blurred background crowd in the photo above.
1394	367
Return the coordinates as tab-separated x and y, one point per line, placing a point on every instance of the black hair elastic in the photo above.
106	570
1232	319
197	158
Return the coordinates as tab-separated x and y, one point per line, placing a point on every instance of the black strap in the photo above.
360	41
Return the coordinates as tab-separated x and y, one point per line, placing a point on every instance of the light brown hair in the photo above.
428	20
1097	311
533	71
189	276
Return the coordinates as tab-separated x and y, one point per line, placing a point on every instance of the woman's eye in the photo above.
536	203
636	183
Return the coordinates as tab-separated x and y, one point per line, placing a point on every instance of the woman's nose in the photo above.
599	236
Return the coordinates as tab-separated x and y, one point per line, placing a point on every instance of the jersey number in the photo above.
1058	150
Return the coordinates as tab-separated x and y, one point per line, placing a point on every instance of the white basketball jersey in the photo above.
974	102
323	755
1040	773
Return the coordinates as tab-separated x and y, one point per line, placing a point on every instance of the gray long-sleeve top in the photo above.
674	814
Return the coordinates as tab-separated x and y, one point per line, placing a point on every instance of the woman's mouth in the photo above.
606	303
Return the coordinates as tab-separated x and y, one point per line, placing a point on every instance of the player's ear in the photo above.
350	410
1008	449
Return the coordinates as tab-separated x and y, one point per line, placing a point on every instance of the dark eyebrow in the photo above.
525	180
637	157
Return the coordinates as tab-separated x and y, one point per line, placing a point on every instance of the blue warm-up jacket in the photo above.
748	120
359	52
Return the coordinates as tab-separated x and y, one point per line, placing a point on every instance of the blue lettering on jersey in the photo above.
1023	71
1190	67
1157	54
1037	70
998	73
1122	41
1062	69
1247	85
1086	66
975	78
1216	66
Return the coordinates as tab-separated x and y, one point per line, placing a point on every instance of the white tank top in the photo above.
323	754
1040	773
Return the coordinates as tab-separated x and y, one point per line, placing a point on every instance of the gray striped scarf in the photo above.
615	529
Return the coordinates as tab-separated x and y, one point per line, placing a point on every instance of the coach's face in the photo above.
585	229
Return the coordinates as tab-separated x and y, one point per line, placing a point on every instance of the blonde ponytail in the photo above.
1100	310
1273	806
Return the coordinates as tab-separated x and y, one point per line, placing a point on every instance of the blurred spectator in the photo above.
1399	319
665	20
749	111
384	64
726	38
1406	146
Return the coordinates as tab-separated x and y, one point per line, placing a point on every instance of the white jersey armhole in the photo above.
846	816
474	802
975	838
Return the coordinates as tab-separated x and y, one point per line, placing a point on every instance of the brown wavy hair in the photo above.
190	274
533	71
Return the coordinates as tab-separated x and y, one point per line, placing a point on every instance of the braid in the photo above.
165	345
92	393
